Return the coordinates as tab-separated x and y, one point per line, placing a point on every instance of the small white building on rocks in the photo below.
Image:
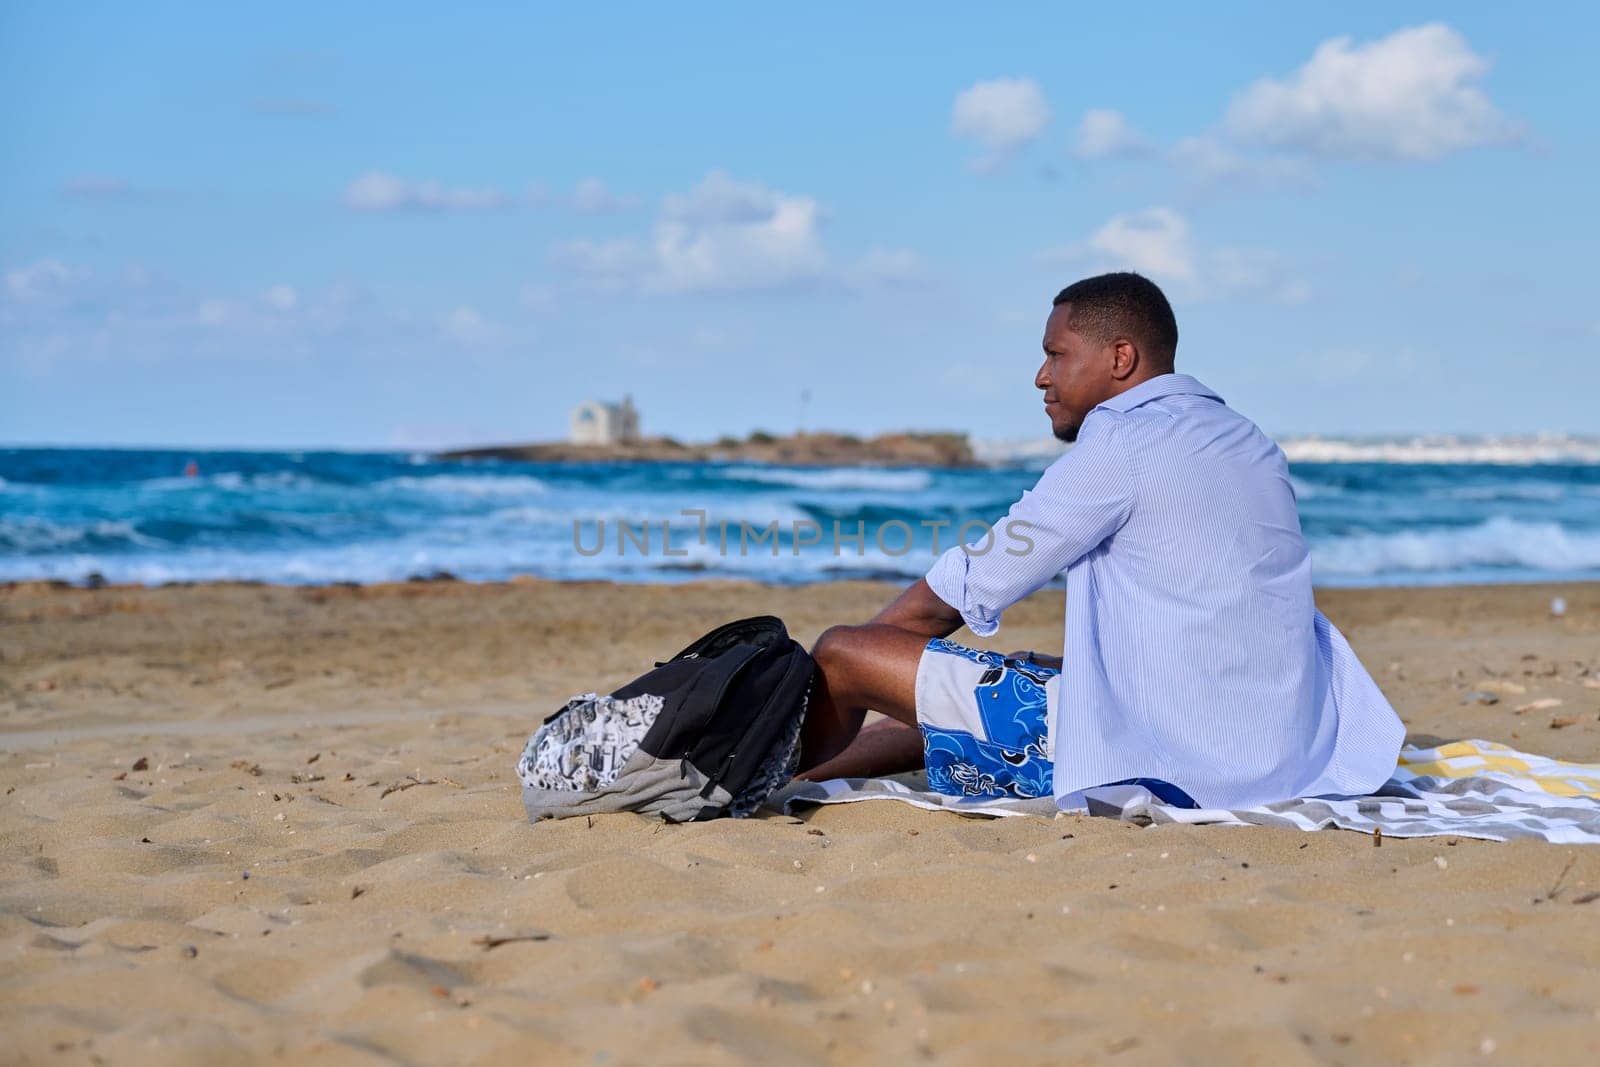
596	423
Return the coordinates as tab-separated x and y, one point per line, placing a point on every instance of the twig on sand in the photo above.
410	781
488	941
1555	886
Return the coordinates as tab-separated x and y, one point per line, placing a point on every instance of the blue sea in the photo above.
1374	514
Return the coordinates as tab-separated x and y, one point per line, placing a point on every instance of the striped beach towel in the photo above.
1463	789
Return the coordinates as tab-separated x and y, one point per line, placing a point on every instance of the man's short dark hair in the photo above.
1109	306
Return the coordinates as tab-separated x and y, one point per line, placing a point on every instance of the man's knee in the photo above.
872	665
837	646
868	653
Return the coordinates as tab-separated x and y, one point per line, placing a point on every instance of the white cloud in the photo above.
1105	134
726	235
593	197
217	312
40	280
722	235
608	264
282	298
466	326
1154	241
1159	242
783	247
1212	163
1002	115
1413	95
720	199
53	311
378	191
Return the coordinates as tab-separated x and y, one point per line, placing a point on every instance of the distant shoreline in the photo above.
951	450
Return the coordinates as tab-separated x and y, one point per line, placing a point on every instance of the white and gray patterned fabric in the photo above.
584	747
572	762
1477	789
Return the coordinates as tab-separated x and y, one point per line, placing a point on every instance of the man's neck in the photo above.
1136	380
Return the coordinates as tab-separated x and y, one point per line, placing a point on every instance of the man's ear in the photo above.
1124	359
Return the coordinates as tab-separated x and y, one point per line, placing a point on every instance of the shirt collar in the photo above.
1155	388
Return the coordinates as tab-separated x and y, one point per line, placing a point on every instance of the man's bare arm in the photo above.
919	610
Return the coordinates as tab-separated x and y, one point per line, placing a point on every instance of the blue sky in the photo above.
411	226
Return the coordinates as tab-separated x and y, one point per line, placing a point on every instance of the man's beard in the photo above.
1069	435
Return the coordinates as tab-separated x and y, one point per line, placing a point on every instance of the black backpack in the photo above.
713	731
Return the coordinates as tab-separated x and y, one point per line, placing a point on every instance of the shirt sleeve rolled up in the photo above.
1081	499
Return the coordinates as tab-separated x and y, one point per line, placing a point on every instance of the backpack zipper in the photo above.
722	691
727	763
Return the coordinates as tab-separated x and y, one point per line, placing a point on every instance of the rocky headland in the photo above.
801	449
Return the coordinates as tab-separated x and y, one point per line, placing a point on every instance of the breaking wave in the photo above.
1495	544
293	517
835	478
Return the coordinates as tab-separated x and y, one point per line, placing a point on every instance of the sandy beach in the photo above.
265	824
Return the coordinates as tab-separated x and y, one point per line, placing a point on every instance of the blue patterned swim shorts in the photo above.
985	721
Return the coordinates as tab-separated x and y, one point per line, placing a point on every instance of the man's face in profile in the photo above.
1075	375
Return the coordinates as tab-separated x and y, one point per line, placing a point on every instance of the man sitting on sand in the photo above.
1196	662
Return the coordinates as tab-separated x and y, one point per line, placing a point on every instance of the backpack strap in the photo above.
756	630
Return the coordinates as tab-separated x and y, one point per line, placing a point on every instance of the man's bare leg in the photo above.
872	666
887	746
860	667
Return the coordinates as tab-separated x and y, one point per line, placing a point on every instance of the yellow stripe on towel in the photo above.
1464	759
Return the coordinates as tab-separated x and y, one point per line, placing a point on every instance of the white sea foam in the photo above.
29	533
756	512
1498	543
1018	451
1541	491
1508	450
1501	546
867	478
1304	490
233	481
470	485
1500	451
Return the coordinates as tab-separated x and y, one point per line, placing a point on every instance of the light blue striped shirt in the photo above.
1194	651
